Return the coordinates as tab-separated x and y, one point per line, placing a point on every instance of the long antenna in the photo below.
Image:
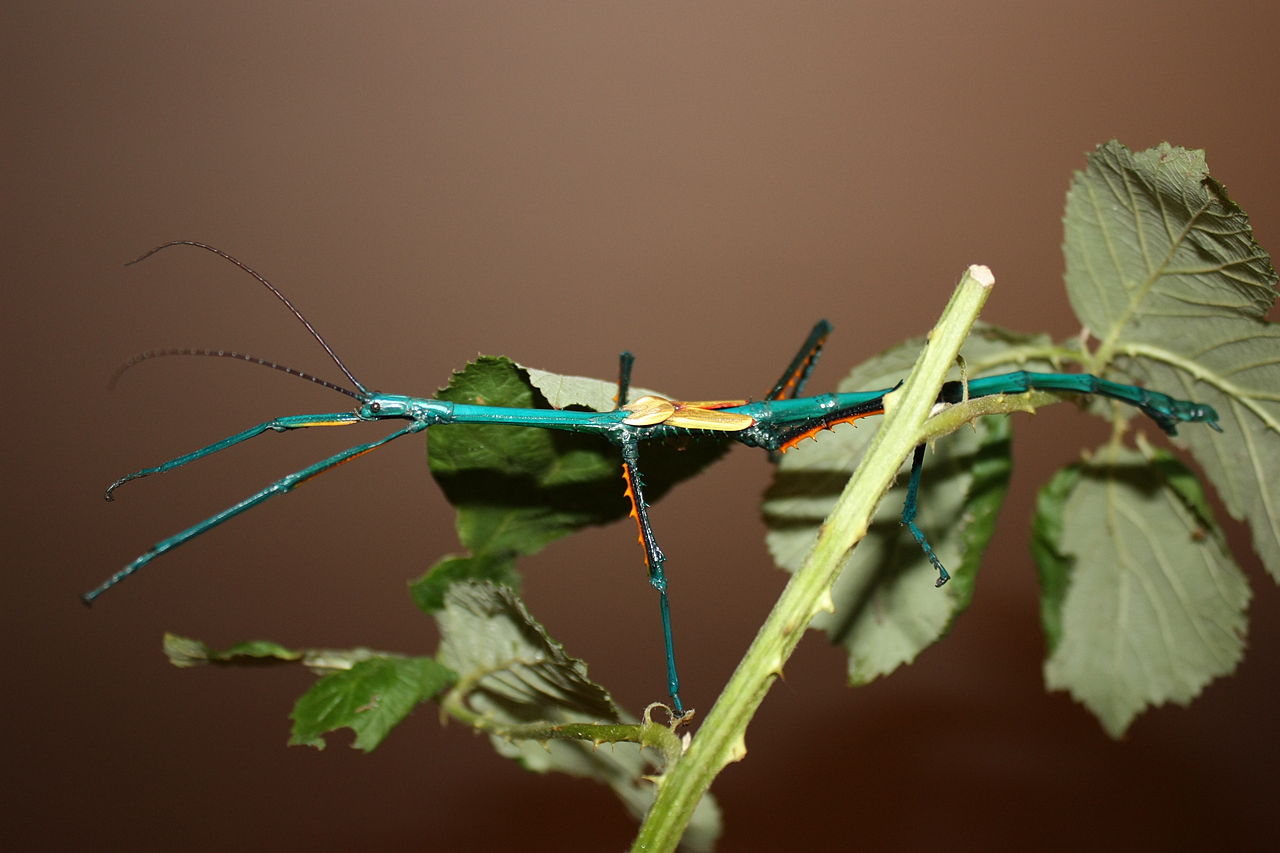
219	353
269	286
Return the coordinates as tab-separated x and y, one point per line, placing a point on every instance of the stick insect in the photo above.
778	422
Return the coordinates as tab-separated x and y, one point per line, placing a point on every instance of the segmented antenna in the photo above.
218	353
269	286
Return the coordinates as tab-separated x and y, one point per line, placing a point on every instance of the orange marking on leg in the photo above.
635	511
813	432
338	465
785	392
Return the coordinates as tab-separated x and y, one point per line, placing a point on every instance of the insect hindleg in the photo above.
909	507
791	383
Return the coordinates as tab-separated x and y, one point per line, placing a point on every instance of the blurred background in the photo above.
556	182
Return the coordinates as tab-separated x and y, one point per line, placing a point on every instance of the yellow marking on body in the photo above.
649	410
691	417
711	404
343	422
652	410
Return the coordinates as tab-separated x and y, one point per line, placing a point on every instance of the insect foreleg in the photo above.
279	487
277	424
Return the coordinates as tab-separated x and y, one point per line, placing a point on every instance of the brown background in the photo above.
557	182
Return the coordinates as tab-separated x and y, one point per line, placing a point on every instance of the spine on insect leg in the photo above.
831	411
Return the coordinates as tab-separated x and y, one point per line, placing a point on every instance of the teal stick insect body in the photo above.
776	423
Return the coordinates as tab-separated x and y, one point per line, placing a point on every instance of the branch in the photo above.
721	739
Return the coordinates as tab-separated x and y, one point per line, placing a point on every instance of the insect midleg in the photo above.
654	560
625	361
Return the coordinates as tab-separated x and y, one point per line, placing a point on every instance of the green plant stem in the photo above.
954	417
721	739
646	734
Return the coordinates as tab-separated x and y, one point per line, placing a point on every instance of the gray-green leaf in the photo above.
1162	268
1143	604
188	651
515	674
888	622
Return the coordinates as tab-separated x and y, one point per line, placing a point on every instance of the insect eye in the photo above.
375	408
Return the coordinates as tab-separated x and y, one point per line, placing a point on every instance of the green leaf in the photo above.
370	698
514	674
1142	602
187	651
367	691
890	621
518	488
1052	566
429	590
1162	268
